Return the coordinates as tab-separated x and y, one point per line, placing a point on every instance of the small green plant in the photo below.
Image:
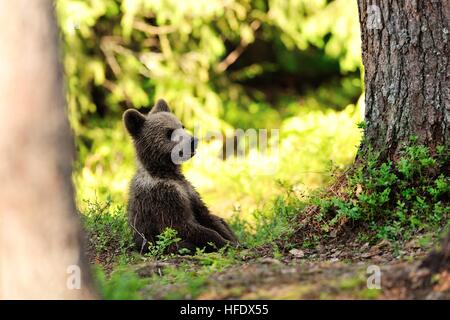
361	125
163	242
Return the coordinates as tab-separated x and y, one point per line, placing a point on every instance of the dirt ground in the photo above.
339	272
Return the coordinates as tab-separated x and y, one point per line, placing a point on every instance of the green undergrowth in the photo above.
378	200
109	236
268	225
122	284
392	201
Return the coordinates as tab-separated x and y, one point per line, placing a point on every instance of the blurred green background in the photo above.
221	65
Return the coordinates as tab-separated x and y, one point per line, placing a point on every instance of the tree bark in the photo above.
40	235
405	45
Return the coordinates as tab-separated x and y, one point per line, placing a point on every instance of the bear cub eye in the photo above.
169	133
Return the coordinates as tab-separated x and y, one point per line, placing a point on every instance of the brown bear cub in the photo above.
160	196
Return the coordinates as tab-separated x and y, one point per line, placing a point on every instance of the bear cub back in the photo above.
160	196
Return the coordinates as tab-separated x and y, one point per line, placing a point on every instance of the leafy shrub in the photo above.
394	200
107	227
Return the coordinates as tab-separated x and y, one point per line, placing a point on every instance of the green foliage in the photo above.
395	201
164	241
310	22
120	285
199	55
388	201
107	227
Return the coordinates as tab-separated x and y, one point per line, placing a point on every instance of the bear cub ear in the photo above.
160	106
134	120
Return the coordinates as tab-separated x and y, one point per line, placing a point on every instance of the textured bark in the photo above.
406	58
40	239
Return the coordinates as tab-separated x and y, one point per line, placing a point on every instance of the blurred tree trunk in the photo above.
40	236
406	53
440	259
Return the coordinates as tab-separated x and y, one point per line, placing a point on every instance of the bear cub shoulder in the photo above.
160	196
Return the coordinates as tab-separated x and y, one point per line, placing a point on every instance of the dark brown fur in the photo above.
160	196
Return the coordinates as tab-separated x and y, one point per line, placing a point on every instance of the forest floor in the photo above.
338	273
332	271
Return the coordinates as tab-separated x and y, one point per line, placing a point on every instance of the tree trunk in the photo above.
406	50
40	238
440	259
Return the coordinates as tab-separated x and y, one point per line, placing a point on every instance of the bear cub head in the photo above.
160	139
